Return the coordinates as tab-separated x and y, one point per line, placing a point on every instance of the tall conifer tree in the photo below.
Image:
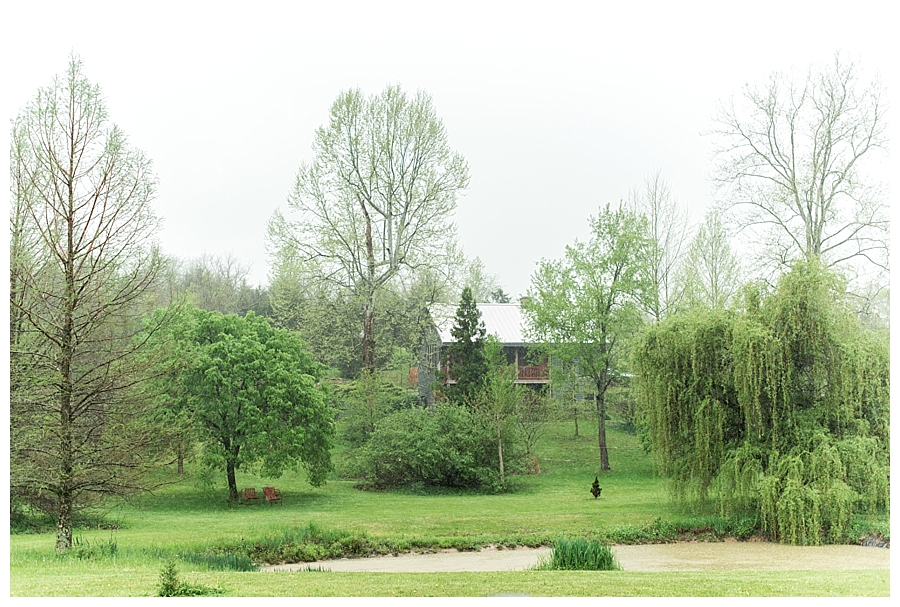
466	354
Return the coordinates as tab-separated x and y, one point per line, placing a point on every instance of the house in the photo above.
505	321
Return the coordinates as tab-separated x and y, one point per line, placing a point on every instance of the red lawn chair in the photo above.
273	495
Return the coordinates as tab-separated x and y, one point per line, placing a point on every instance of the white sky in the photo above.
558	108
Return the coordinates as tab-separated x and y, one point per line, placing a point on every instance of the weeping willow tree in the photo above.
780	410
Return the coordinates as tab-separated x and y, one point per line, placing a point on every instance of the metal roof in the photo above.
503	320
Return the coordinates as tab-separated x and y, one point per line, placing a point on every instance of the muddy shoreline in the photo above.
676	556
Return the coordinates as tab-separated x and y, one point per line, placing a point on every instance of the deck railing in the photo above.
526	372
534	372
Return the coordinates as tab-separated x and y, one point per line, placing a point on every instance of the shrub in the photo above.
364	402
449	447
171	585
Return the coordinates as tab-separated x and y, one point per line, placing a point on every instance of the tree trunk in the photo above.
65	496
66	469
368	342
600	400
64	522
500	453
231	455
66	464
180	458
575	409
232	484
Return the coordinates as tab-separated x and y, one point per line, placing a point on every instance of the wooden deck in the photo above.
528	374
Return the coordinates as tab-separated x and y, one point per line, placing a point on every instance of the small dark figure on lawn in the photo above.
596	488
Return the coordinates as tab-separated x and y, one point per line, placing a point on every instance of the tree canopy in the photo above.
83	266
377	198
254	392
582	308
780	410
465	355
792	158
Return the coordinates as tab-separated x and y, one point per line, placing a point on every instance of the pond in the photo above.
681	556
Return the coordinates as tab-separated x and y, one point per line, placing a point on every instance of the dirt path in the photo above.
685	556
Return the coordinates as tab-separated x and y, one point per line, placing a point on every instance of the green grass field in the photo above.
194	516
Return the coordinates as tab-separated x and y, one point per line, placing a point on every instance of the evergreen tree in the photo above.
466	354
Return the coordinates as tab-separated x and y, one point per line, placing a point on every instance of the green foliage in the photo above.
580	554
218	561
583	308
171	585
374	206
328	317
86	551
497	401
365	401
254	391
781	410
468	445
312	543
711	271
536	409
622	405
465	355
449	447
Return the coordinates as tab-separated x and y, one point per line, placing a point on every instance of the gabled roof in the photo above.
503	320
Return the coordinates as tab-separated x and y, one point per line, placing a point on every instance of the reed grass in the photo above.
579	554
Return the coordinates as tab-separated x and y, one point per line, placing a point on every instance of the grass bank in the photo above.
193	517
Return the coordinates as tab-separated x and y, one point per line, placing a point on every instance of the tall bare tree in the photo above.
485	286
791	159
711	273
377	198
667	222
82	270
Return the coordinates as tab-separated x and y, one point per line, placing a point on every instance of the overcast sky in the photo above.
558	107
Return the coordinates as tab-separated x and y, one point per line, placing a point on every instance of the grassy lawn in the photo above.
193	515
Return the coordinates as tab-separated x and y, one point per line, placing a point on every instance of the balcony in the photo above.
528	374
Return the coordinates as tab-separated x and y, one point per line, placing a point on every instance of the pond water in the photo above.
682	556
729	556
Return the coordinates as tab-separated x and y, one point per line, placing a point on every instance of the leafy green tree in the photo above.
328	316
83	267
377	199
781	410
254	392
484	285
498	295
465	355
583	308
498	398
536	409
